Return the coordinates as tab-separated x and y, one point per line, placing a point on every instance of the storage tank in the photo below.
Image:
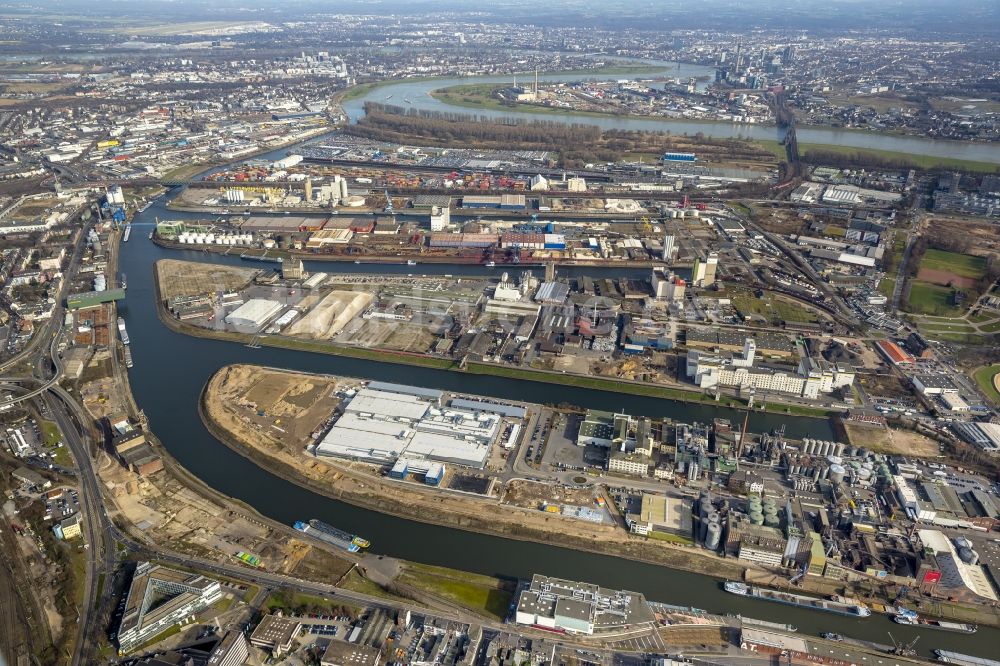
772	520
756	518
968	556
837	473
714	536
834	460
962	542
702	530
840	449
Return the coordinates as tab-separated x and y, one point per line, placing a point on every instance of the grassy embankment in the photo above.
917	161
484	595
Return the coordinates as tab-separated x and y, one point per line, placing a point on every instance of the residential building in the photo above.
232	651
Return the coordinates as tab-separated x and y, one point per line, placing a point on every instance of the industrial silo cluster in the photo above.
210	238
966	552
707	522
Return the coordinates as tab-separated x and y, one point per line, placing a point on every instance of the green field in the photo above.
984	377
964	265
926	298
771	307
482	594
886	286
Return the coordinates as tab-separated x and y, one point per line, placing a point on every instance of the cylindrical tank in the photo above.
756	517
834	460
837	473
865	475
702	529
963	542
840	449
968	555
714	536
771	520
816	474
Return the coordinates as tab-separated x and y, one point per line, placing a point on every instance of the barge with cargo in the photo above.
128	232
908	617
330	534
960	659
122	332
836	605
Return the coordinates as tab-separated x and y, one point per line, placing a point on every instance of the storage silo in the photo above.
714	536
840	449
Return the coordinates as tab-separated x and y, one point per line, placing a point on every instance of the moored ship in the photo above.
838	606
121	331
908	617
330	534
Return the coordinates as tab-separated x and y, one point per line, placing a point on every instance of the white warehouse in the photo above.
254	314
382	423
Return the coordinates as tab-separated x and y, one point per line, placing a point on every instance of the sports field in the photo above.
962	265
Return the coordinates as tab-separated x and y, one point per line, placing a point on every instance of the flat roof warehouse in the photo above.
383	422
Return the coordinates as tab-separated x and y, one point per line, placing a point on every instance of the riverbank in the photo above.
479	96
354	484
479	368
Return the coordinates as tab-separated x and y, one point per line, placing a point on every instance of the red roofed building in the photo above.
894	353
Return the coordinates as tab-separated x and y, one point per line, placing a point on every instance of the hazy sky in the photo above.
982	16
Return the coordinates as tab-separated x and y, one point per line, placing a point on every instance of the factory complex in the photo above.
411	428
579	608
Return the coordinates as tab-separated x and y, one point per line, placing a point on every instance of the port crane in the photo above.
903	649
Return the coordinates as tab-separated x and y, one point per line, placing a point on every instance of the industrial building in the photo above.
659	513
384	423
91	299
254	314
276	634
159	598
579	608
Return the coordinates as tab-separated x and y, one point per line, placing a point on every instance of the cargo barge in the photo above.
767	624
121	331
330	534
128	232
908	617
128	357
838	606
960	659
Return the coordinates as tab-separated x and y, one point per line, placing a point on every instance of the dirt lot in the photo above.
890	440
190	278
330	315
532	495
165	510
294	406
885	386
945	278
984	237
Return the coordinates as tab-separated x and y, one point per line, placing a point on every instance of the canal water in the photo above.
418	94
171	369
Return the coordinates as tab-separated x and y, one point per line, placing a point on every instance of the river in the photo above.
171	369
418	92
